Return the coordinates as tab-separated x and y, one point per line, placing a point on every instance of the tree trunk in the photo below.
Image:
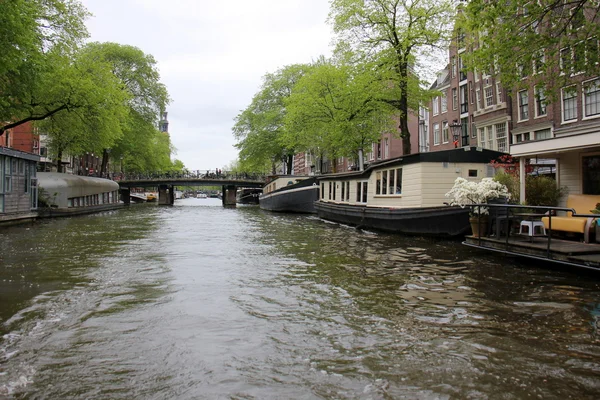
59	161
361	160
105	156
404	132
289	160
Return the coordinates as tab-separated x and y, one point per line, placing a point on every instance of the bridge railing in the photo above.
199	174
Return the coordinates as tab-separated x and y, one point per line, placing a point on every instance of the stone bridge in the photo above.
166	183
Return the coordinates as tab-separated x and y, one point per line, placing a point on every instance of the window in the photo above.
436	105
577	18
565	60
540	101
569	103
444	100
454	99
436	133
334	190
445	132
361	192
453	66
460	39
471	93
464	100
501	138
499	93
523	105
489	96
7	175
386	148
347	185
472	173
388	182
591	174
462	70
591	51
543	134
522	137
539	62
464	126
477	98
578	57
329	192
591	98
323	190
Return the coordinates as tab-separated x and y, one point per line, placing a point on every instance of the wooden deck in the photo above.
567	252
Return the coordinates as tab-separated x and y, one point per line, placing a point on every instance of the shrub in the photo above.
511	182
542	191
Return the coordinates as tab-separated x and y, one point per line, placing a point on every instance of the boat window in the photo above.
378	182
472	173
329	197
334	189
384	182
343	191
323	190
398	181
348	191
365	186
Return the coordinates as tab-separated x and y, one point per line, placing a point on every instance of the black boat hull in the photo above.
428	221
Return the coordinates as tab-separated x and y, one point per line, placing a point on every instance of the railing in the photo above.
181	175
510	212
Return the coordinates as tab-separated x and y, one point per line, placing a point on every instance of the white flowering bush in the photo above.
467	192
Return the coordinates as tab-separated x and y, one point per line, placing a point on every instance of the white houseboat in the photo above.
66	194
405	194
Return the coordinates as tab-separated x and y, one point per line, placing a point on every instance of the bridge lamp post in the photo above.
456	128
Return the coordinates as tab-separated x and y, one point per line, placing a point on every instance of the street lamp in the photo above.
456	128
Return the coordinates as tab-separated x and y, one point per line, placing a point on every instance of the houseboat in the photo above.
248	195
66	194
405	194
289	193
18	186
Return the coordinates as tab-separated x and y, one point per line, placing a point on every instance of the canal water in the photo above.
197	301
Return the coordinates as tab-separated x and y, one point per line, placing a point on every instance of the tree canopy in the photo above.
547	40
259	128
37	38
336	109
399	37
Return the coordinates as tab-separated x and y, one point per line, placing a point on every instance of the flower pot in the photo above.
479	225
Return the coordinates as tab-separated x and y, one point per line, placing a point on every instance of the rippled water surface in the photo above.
198	301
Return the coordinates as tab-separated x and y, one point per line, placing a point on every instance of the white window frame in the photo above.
520	105
538	100
436	134
562	102
444	102
584	98
435	106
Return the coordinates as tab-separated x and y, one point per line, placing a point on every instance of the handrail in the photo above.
546	211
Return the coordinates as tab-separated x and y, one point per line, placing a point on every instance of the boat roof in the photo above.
460	155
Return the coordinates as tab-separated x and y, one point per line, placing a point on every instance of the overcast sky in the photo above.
212	56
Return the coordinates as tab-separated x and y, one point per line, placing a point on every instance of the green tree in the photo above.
139	78
258	129
540	39
37	39
335	110
396	35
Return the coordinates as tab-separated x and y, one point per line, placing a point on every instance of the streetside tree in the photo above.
336	110
403	38
37	40
139	78
97	121
258	129
547	40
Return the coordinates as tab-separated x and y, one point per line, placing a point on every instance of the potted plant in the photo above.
469	193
